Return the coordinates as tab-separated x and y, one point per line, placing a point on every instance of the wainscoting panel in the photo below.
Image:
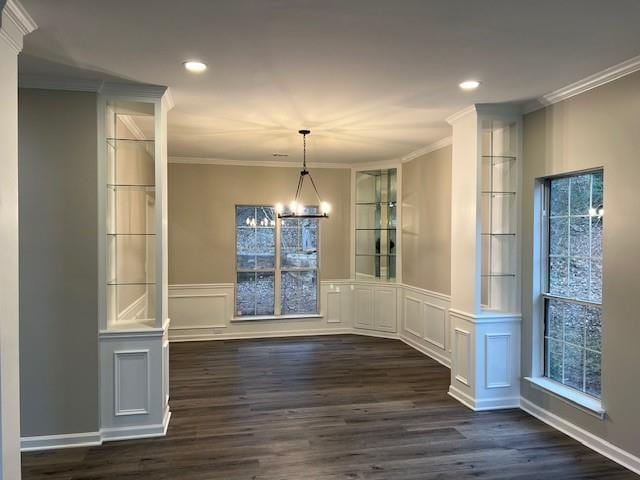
131	382
462	352
413	322
435	323
425	322
385	309
363	306
498	359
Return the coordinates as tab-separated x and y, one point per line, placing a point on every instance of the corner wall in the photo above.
426	221
598	128
58	262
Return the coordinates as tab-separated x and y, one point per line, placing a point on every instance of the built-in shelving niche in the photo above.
375	224
499	216
130	230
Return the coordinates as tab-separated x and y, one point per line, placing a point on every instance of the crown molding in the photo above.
15	23
252	163
432	147
592	81
451	119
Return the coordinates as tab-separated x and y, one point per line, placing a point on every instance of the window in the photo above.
573	294
276	263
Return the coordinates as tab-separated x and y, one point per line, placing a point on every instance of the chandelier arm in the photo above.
299	189
316	190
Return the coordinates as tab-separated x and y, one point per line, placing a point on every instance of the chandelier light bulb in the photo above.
279	207
300	209
293	206
325	208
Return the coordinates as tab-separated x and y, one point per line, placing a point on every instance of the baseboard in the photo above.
92	439
205	337
588	439
482	405
136	432
437	356
69	440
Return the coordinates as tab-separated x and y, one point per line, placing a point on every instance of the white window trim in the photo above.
575	398
277	271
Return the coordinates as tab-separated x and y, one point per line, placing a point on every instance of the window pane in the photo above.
593	320
579	278
265	293
579	237
299	244
244	216
580	196
299	292
597	188
555	319
596	237
558	276
593	365
596	281
574	317
559	236
573	366
553	362
559	198
245	293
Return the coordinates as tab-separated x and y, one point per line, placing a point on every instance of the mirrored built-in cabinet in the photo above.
499	219
375	224
131	225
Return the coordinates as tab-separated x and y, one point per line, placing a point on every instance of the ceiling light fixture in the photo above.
296	209
195	66
469	85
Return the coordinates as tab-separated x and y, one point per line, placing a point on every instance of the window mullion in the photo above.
278	266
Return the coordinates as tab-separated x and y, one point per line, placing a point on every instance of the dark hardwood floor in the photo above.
332	407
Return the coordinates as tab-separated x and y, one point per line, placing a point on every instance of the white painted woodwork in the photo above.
15	23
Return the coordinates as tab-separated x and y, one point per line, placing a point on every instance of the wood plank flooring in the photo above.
331	407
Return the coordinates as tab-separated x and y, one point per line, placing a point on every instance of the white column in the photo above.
15	23
485	358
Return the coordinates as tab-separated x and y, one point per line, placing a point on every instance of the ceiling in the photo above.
372	79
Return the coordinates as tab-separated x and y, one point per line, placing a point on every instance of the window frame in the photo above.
583	400
277	271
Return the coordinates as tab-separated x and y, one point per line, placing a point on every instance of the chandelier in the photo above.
296	208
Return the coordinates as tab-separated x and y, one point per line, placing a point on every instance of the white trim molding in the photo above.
67	440
588	439
15	24
592	81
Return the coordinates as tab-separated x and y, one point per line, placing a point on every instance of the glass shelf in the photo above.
375	254
130	234
377	229
498	194
498	234
114	141
390	204
490	275
131	186
117	284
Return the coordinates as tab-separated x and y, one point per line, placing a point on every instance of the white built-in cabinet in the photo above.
375	307
376	246
133	267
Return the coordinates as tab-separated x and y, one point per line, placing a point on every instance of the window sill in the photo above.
301	316
580	400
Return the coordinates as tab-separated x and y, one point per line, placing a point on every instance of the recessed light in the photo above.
194	66
469	85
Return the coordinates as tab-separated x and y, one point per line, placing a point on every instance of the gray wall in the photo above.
600	128
426	221
58	262
202	200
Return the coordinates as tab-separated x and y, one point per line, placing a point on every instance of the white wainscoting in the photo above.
206	312
425	322
417	317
